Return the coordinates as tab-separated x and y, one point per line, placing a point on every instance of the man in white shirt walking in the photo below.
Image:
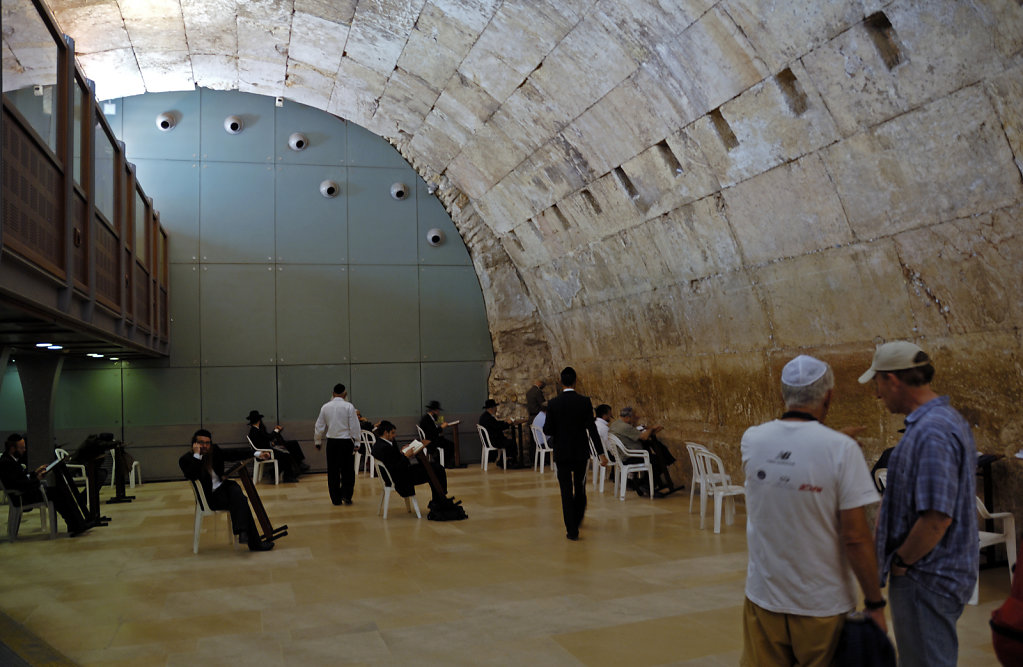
339	423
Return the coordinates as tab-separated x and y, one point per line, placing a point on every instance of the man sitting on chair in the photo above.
288	452
405	475
205	464
433	432
16	477
634	436
495	429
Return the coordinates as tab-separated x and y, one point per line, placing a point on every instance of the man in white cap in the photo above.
927	526
807	487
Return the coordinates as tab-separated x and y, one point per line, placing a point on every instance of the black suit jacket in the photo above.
569	418
431	431
397	464
15	477
495	428
194	468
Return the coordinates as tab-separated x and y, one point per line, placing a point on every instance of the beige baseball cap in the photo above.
895	356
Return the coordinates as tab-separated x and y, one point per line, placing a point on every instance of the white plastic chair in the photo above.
385	499
134	474
692	448
598	471
203	510
367	440
623	469
422	438
487	448
16	509
713	474
1007	536
77	470
257	469
543	449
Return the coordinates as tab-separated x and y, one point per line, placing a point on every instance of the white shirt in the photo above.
799	476
539	420
602	428
215	480
337	420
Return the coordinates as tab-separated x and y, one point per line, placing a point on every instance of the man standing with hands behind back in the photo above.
569	419
339	423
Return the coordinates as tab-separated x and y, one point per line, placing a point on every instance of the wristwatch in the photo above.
898	562
874	606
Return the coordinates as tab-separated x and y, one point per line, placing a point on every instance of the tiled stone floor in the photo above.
645	586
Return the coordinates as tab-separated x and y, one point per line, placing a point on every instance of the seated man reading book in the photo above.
405	473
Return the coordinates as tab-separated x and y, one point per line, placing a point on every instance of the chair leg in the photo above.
504	459
692	492
441	453
718	501
703	505
256	469
650	478
483	462
13	521
52	513
411	503
198	529
277	473
975	598
385	501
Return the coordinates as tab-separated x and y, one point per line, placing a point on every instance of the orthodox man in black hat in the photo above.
288	452
496	428
433	430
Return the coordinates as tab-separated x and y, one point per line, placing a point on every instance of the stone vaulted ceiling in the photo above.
655	179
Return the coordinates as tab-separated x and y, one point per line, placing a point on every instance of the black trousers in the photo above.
229	496
418	475
340	469
572	480
449	450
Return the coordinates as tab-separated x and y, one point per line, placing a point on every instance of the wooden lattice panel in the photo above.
107	275
33	215
80	240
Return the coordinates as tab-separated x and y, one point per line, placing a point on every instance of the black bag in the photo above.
863	644
446	510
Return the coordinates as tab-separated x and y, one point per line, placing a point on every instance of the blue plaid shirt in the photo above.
933	467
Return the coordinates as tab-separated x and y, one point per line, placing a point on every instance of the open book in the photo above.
454	423
412	448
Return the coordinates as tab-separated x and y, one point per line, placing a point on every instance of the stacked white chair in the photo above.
1006	536
367	440
715	483
17	508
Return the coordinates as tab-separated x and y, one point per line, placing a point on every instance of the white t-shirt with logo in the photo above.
799	475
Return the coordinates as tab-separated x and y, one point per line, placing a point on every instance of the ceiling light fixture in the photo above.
43	344
55	347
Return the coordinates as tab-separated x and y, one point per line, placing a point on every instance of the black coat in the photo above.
194	468
569	418
15	477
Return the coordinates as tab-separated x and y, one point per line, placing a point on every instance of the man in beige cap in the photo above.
807	489
927	526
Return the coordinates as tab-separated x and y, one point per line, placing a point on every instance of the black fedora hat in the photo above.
254	417
491	403
434	405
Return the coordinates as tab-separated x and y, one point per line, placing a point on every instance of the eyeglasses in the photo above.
204	441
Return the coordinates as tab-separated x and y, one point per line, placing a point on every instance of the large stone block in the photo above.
723	314
1006	91
406	101
790	210
695	241
669	174
216	72
308	85
966	273
356	92
835	296
783	31
934	47
709	63
946	160
162	70
116	72
779	119
95	26
436	45
163	33
317	41
210	27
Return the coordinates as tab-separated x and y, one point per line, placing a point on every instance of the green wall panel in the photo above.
255	143
236	212
89	398
310	228
461	387
143	139
312	307
301	390
384	313
184	308
431	214
174	187
386	391
365	149
453	320
381	229
237	316
326	135
228	394
12	402
161	396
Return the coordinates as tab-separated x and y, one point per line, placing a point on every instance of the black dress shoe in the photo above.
346	501
574	538
243	537
261	546
80	529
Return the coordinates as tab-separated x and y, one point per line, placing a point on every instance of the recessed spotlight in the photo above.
115	358
55	347
94	355
43	344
